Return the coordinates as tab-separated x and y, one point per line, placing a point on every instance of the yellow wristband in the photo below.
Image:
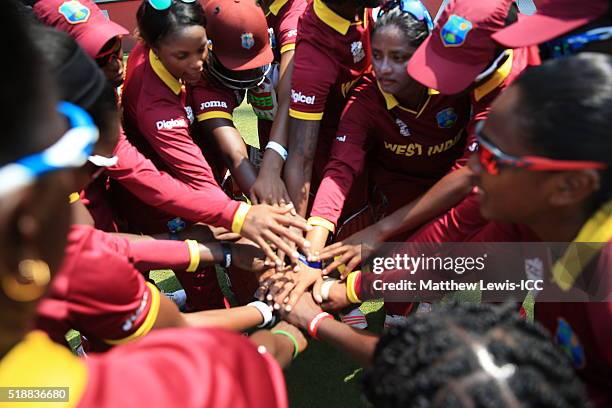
322	222
194	255
351	293
340	267
239	217
74	197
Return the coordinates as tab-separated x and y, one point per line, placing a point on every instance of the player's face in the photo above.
183	53
512	195
110	60
390	55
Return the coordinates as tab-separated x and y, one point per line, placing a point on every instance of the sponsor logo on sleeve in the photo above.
292	33
170	124
357	51
298	97
213	104
341	138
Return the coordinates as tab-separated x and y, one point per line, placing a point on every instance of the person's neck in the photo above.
346	10
412	95
562	226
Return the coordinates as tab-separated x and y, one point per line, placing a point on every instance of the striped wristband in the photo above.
313	326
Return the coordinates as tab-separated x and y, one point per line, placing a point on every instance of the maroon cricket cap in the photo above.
82	19
460	46
552	19
239	34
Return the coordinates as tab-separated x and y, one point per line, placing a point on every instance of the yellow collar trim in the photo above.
276	6
38	362
340	24
392	102
597	232
497	79
163	74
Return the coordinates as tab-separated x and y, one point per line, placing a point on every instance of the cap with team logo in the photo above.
460	46
552	19
239	34
82	19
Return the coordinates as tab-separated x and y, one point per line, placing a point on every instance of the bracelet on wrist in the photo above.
226	249
278	148
313	326
296	347
265	310
316	264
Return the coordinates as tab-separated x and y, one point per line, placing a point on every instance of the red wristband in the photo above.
314	324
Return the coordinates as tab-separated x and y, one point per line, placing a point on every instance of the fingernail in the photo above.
308	227
296	254
319	299
276	306
306	244
269	297
324	271
288	308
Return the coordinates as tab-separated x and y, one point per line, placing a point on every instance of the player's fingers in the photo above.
316	291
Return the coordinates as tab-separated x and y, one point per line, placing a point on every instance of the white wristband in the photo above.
264	309
326	287
278	148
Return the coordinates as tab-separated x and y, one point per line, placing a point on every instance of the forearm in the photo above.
303	136
442	196
236	319
297	180
237	161
359	345
279	347
317	238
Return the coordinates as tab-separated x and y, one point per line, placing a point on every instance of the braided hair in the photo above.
471	355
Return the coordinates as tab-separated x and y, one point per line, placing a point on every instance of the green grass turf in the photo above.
321	376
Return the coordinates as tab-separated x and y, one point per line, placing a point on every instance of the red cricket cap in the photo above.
82	19
239	34
460	46
552	19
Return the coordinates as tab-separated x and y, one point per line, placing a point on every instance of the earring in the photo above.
37	275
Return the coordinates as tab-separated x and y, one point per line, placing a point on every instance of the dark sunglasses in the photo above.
413	7
105	57
573	44
491	158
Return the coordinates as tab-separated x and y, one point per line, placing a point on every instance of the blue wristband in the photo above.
314	265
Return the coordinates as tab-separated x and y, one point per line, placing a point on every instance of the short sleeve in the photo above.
286	30
314	73
211	101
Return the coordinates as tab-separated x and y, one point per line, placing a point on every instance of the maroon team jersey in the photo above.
407	150
331	55
157	121
282	19
98	292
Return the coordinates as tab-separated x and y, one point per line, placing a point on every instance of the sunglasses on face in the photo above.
105	57
573	44
165	4
413	7
491	159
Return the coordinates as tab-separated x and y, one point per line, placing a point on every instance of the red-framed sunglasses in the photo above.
491	158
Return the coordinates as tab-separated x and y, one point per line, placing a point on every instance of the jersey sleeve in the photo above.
166	128
188	367
347	160
212	102
313	75
287	28
149	254
208	203
108	298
